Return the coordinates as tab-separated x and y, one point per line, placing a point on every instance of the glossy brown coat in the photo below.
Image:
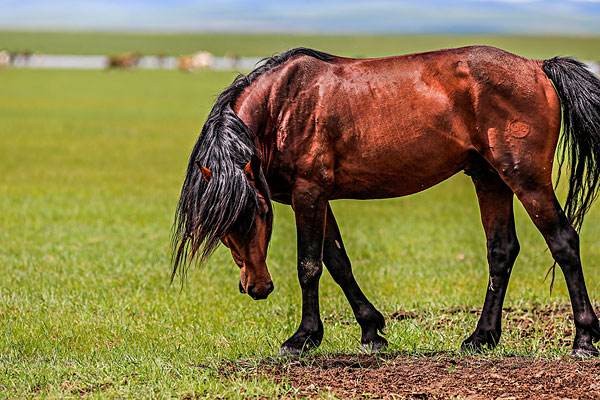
381	128
327	127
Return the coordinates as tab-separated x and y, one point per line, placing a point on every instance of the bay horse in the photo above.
123	61
306	127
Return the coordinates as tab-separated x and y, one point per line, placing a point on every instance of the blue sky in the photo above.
307	16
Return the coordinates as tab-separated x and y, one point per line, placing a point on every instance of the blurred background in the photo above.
101	102
235	34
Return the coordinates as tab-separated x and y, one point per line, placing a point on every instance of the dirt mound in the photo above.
438	377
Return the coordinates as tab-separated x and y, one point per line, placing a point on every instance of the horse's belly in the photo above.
398	167
399	135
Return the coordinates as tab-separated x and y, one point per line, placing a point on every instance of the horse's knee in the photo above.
502	255
309	272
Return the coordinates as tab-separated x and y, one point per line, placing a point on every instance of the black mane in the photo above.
207	210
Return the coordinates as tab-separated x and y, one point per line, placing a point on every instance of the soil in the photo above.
445	375
439	377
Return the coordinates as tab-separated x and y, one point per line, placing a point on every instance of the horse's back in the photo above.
404	124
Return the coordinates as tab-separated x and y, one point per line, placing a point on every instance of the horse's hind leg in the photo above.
496	207
543	208
337	262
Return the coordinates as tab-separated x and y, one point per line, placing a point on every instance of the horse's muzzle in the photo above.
260	294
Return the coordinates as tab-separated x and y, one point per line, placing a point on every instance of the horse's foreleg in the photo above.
543	208
496	207
310	210
337	262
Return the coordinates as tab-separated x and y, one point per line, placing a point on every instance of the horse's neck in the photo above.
253	109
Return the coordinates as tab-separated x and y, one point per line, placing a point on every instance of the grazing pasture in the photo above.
91	164
262	45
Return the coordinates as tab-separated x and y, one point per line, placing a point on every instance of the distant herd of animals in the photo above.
200	60
9	58
188	63
129	60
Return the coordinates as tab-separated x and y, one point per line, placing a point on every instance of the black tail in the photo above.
579	93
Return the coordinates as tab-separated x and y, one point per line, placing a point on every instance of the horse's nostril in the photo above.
261	294
241	287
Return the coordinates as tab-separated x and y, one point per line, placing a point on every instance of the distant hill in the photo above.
309	16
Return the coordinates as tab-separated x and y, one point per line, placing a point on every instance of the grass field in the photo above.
587	48
91	164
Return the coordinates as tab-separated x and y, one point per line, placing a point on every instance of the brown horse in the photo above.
123	61
307	127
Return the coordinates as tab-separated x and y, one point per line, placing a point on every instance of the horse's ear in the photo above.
252	167
248	170
206	173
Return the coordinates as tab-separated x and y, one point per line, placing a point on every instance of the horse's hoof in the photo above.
472	347
287	351
478	343
585	353
301	342
585	350
375	346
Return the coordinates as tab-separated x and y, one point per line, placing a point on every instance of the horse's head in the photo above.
227	202
225	198
248	239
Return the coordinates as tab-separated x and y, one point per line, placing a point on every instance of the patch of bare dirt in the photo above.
444	375
439	377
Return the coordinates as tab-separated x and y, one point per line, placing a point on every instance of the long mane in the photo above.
208	210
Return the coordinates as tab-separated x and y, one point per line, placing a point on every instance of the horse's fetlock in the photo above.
367	316
587	321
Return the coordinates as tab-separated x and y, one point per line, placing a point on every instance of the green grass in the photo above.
91	163
587	48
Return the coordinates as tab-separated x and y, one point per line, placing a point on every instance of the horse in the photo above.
4	59
200	60
123	61
307	127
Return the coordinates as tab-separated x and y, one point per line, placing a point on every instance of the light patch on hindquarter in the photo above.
518	129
